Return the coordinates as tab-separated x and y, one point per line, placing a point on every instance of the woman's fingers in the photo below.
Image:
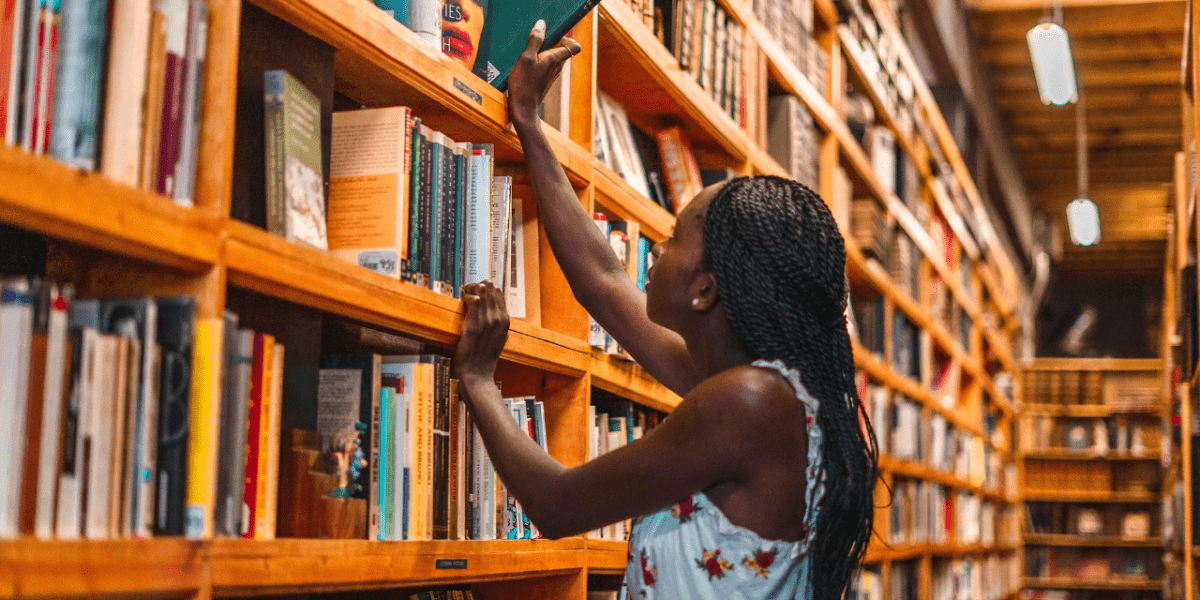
537	36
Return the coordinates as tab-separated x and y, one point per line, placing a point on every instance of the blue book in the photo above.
385	464
74	137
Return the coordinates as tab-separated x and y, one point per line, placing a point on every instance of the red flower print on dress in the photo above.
649	572
760	561
713	564
685	509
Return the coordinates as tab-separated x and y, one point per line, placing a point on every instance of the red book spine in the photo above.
45	108
172	121
254	423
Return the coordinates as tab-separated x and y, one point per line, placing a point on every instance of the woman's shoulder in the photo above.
752	390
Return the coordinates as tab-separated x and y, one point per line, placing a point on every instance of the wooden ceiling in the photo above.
1127	59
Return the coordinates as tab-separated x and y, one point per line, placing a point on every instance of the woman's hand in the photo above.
533	74
485	331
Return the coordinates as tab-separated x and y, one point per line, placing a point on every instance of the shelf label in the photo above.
450	563
466	89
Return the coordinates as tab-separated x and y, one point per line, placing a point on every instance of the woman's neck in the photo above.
714	347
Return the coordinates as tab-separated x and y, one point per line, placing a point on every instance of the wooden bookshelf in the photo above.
148	245
1071	393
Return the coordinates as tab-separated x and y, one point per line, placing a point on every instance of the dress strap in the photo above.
815	473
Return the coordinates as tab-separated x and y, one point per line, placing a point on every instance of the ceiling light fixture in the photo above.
1053	67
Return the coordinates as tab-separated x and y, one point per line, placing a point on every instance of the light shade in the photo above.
1052	63
1083	220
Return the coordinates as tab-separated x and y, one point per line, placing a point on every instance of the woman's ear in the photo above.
704	293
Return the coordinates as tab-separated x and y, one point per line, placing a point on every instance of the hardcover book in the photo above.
295	184
369	182
507	33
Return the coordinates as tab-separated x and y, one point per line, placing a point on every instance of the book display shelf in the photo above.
1098	502
935	362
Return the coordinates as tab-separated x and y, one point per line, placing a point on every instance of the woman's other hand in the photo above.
485	331
534	72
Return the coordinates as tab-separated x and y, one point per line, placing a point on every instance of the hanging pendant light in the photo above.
1083	217
1053	67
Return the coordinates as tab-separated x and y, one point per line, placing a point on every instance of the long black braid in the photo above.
779	263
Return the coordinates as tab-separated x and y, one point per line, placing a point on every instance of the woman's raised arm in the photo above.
596	276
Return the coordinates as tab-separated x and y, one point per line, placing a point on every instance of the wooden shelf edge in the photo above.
1050	539
299	566
919	471
1100	497
619	197
1091	584
43	195
1094	364
268	264
59	569
607	557
630	380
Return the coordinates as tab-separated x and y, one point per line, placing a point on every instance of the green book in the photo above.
507	32
295	183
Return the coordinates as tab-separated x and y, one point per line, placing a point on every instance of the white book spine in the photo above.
52	405
126	89
100	433
478	225
189	139
69	519
16	328
501	210
30	55
426	20
514	287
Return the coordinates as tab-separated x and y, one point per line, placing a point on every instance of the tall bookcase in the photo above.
1092	449
108	239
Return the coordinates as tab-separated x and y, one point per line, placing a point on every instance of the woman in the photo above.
743	316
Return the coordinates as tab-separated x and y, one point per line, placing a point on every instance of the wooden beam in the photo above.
1121	139
1086	22
1166	46
1108	75
1044	176
988	6
1165	96
1096	120
1102	159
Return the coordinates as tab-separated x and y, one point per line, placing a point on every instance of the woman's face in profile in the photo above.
462	29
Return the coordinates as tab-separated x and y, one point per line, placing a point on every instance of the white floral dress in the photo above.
692	551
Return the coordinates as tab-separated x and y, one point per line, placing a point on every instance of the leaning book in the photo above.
295	185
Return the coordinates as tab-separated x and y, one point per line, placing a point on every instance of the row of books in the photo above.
1130	564
660	167
1127	522
904	432
616	422
1119	435
970	578
790	23
404	200
117	88
710	45
926	512
633	251
111	418
428	475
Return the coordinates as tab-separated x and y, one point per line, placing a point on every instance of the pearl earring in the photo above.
695	302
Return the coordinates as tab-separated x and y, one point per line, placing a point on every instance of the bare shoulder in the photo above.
758	395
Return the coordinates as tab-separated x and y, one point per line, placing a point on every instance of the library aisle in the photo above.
234	237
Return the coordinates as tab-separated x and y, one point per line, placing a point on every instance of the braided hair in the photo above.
779	263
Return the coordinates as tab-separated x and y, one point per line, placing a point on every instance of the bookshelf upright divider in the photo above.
108	239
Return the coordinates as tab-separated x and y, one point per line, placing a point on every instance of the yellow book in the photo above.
276	415
427	387
204	421
264	436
